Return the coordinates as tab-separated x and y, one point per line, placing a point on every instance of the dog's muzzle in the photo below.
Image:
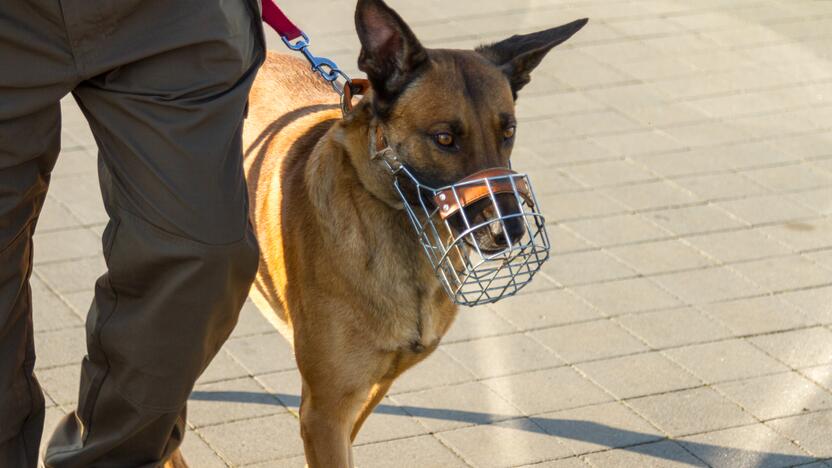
484	235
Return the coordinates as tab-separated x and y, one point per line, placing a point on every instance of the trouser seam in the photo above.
92	398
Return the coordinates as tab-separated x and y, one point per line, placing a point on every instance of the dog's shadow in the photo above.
584	431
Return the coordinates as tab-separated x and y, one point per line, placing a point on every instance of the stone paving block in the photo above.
198	453
54	217
438	370
739	245
608	173
72	276
691	411
650	195
724	360
577	69
706	134
665	115
66	244
81	198
617	230
586	267
785	394
230	400
260	354
477	323
693	220
683	163
634	144
293	462
627	296
708	285
799	348
638	375
544	309
455	406
77	161
802	273
810	234
561	151
598	123
548	180
821	375
757	315
49	312
589	341
803	429
661	257
502	355
823	258
251	322
816	303
749	446
577	205
558	103
630	95
713	187
80	301
509	443
574	462
676	327
819	201
388	422
423	451
600	427
60	347
61	383
548	390
255	440
664	454
766	209
789	178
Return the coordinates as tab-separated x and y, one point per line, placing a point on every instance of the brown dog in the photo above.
340	262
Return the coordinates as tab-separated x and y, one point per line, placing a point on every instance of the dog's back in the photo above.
290	108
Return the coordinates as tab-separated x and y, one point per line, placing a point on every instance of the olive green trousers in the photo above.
163	85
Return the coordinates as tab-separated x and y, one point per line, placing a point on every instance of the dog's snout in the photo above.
508	231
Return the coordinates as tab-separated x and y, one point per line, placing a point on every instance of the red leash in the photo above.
274	17
329	71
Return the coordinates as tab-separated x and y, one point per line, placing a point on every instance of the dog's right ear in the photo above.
391	55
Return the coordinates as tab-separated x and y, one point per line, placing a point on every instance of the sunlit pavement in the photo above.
682	151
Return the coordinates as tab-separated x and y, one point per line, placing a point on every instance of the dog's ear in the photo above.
390	53
518	55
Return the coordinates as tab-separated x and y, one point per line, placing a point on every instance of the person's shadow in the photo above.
584	431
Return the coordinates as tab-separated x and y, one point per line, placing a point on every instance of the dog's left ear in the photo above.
519	55
391	55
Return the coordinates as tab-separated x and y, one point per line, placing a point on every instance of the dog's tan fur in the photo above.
347	273
340	262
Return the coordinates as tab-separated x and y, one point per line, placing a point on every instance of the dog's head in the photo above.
450	113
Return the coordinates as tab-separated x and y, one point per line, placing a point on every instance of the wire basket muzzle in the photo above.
484	236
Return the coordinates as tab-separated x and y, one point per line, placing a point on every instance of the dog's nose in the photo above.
508	231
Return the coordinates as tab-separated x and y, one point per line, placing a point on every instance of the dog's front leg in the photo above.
326	421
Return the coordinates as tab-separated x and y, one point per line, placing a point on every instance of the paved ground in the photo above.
684	153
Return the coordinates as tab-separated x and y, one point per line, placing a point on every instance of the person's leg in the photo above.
179	249
36	71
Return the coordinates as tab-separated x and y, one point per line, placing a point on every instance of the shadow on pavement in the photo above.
584	431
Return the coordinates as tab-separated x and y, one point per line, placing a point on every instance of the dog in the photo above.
340	263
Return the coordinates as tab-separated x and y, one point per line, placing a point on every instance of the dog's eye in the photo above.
444	139
509	132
